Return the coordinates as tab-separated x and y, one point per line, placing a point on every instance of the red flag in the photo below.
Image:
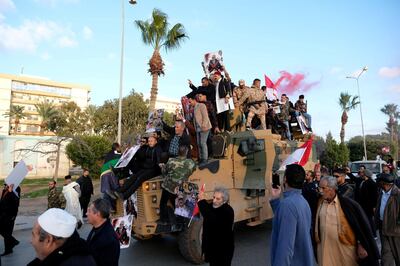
196	208
268	82
299	156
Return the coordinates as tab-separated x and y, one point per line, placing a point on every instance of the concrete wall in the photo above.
43	165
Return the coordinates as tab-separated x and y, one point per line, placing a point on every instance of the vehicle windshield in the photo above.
373	167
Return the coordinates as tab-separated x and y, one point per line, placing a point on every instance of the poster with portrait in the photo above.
303	124
123	227
186	199
154	121
213	61
127	156
130	205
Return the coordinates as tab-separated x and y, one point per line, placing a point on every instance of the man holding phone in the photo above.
291	226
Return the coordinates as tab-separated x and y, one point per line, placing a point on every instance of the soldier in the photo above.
240	110
256	104
54	197
175	171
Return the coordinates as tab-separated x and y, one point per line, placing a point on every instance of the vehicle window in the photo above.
373	167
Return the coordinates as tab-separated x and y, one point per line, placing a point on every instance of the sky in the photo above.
79	41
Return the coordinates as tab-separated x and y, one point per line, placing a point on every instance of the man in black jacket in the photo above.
9	204
218	217
206	86
56	242
86	185
344	188
102	240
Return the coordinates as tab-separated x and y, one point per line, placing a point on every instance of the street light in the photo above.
121	73
359	97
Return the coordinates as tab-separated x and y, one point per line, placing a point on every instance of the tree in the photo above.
374	144
69	121
334	154
17	113
134	117
392	126
155	33
46	111
88	152
347	103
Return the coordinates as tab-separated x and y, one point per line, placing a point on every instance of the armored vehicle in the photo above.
247	163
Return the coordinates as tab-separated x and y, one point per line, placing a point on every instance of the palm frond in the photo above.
147	32
176	35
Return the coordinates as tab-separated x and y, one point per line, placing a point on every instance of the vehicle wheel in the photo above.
189	242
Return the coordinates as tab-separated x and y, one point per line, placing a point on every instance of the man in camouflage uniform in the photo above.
55	198
175	172
284	115
240	110
256	103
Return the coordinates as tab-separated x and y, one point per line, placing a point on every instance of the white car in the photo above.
374	166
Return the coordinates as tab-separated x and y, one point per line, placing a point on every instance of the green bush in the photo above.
88	151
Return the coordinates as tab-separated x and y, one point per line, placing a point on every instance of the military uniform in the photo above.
177	170
55	199
256	105
236	119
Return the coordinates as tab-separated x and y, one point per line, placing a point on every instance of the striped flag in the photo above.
299	156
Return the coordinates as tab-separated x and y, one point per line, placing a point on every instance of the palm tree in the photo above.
17	113
347	103
394	115
46	111
155	32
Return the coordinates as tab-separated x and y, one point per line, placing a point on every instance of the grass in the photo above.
36	193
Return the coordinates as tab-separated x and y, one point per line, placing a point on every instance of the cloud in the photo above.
66	41
6	5
54	3
389	72
87	33
31	34
45	56
335	70
395	88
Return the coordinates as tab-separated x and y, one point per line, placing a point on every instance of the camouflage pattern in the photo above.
176	171
284	114
237	95
55	199
255	98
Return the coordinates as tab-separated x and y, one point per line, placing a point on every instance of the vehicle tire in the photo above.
189	241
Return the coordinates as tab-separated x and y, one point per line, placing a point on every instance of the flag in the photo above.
299	156
196	208
271	91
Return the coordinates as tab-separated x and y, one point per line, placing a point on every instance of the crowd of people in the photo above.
333	220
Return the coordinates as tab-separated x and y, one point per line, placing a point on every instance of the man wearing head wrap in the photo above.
387	217
56	242
72	191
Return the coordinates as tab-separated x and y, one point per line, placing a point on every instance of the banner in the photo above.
213	61
123	227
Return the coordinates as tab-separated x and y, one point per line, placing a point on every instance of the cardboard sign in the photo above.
17	175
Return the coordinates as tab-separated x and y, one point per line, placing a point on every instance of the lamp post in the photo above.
121	72
361	115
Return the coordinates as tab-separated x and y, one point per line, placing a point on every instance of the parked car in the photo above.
374	166
75	170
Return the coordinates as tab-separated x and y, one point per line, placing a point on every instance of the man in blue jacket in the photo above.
291	226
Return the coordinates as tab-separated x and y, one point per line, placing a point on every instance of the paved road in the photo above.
252	248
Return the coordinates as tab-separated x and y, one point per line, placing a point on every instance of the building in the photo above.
26	91
169	105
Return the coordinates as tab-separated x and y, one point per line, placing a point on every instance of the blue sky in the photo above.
79	41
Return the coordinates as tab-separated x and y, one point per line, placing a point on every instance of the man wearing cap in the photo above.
102	240
71	191
387	218
56	242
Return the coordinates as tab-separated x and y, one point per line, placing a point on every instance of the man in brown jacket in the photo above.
202	125
387	218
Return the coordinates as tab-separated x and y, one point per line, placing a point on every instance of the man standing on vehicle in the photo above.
291	226
218	217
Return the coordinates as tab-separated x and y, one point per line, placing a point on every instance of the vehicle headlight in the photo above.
154	186
154	199
147	187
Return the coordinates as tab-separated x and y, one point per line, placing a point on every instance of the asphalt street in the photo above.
251	248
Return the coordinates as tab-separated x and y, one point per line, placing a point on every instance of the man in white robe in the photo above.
71	191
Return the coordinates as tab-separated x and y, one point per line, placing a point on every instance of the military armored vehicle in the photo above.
248	162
